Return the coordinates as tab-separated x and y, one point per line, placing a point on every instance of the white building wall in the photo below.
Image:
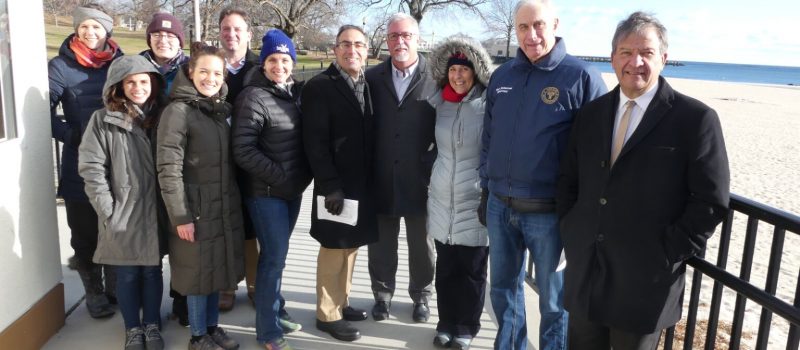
29	249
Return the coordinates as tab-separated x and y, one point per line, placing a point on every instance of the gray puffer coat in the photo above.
196	173
454	193
116	161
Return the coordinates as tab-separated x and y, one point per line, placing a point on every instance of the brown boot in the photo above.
227	298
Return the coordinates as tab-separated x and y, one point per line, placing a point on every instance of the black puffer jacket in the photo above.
268	139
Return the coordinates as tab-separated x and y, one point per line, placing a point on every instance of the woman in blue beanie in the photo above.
268	146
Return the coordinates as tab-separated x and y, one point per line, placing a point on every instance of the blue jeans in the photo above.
139	288
273	221
511	234
203	312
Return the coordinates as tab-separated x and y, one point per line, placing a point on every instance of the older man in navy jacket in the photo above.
530	104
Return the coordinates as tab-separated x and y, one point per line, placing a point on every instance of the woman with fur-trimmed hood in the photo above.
461	68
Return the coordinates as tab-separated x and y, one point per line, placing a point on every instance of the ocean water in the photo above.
742	73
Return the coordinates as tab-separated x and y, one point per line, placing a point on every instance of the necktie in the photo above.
622	129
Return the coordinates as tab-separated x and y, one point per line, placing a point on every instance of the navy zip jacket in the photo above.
80	91
529	112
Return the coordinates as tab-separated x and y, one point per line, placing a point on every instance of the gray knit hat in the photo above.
83	13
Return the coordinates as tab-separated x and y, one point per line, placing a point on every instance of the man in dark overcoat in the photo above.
643	184
404	154
338	137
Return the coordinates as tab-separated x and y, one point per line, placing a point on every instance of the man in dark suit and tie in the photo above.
643	184
404	154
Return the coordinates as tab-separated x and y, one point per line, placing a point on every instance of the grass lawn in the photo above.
133	42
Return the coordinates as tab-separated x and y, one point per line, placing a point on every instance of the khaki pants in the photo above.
334	279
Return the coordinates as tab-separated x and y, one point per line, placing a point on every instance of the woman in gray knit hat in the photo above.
76	78
461	69
116	160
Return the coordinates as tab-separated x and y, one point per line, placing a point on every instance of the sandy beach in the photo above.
761	125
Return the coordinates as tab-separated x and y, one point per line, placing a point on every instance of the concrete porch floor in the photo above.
399	332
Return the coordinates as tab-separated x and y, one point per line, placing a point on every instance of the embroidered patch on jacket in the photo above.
503	90
549	95
282	48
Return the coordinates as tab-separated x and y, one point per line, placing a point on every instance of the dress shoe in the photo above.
380	311
462	343
226	300
421	313
339	329
352	314
442	340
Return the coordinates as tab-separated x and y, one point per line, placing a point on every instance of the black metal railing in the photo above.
764	296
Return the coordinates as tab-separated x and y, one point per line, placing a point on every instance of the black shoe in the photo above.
340	329
421	312
352	314
380	311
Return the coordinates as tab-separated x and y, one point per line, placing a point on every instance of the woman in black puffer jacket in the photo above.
268	146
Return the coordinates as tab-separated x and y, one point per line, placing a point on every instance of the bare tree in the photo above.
500	21
59	8
418	8
292	15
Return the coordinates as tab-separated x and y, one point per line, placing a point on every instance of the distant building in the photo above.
497	48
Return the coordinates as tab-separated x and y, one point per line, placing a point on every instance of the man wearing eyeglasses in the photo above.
404	153
338	138
165	40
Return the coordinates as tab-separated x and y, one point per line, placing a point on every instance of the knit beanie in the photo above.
459	58
275	40
83	13
165	22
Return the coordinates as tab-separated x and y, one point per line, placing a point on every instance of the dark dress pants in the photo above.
383	258
82	222
460	288
588	335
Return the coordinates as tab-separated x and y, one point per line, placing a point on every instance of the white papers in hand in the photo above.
348	216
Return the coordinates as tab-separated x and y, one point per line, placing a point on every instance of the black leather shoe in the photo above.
421	313
352	314
340	329
380	311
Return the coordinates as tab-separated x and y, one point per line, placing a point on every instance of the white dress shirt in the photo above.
402	79
636	114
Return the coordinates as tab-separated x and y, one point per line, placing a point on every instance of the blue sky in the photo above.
735	31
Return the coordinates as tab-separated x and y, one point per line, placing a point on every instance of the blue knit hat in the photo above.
275	40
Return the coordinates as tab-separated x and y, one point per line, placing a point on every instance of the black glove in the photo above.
482	206
334	202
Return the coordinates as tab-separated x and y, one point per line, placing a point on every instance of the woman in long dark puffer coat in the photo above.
196	173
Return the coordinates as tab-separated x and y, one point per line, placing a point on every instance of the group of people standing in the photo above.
201	156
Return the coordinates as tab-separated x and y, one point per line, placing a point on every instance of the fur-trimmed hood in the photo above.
469	47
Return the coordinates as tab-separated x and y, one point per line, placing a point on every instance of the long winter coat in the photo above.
268	139
195	169
628	229
78	89
404	146
339	141
455	193
117	161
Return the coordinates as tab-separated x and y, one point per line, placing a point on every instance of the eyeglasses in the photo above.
347	45
158	36
405	35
